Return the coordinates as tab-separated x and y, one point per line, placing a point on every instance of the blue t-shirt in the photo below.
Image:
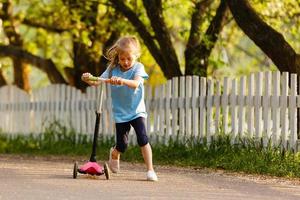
128	103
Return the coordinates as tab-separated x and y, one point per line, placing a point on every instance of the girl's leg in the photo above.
122	130
140	129
122	142
115	154
147	155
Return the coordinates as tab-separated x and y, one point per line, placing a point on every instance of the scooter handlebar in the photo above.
95	78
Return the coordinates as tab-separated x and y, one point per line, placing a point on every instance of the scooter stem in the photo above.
97	124
96	133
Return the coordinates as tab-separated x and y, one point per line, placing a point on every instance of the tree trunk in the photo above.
83	62
271	42
162	35
155	50
103	61
85	59
197	54
197	19
2	79
21	74
21	70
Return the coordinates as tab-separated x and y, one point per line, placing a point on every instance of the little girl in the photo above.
126	77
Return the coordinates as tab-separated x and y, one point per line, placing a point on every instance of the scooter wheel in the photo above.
75	170
106	171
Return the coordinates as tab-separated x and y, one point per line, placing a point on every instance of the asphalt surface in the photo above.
51	178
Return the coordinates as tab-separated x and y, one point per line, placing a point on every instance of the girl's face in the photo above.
126	60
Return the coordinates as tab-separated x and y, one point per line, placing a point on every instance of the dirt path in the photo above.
51	178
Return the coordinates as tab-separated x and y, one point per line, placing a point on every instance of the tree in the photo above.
91	26
270	41
198	51
21	69
159	43
81	23
23	56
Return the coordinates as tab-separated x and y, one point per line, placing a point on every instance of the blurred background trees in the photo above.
47	41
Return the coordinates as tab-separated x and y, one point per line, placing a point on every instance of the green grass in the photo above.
247	156
251	158
55	140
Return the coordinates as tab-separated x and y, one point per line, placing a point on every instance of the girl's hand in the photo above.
86	78
116	80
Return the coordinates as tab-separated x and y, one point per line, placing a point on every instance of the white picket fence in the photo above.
261	106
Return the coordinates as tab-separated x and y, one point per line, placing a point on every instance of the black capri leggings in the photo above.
123	130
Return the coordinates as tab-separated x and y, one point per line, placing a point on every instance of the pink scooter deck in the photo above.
92	168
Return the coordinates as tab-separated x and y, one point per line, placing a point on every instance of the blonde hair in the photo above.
124	44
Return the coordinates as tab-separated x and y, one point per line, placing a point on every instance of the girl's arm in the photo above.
133	83
129	83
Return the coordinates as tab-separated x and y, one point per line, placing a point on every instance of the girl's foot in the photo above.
113	164
151	176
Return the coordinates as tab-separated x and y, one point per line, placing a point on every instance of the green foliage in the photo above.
78	18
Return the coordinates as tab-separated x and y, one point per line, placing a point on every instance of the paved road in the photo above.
51	178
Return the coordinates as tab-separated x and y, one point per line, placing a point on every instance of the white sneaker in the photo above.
113	164
151	176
